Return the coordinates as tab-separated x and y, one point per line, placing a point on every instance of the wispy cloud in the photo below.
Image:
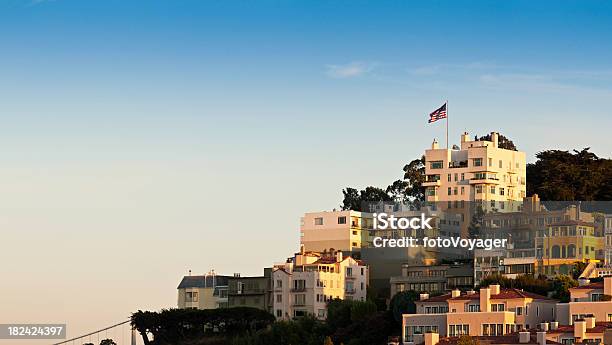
350	70
38	2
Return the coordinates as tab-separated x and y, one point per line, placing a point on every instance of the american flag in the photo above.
438	114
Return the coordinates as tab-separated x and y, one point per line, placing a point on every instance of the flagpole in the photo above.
447	124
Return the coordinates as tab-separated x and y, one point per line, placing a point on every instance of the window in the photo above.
455	191
321	313
279	313
318	221
462	176
519	310
279	298
478	189
449	177
449	191
502	191
490	162
362	270
462	190
436	165
341	220
477	162
349	271
456	177
191	296
279	283
492	189
473	308
500	164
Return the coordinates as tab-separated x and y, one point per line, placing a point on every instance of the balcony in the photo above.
350	276
484	180
350	291
298	304
458	164
432	183
298	289
247	292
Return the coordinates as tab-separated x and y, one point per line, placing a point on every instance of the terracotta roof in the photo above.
600	327
441	298
596	285
512	338
573	222
503	294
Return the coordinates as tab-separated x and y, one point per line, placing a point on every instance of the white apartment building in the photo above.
479	171
306	282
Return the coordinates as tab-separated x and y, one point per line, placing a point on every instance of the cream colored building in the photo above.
491	312
585	301
209	291
340	230
479	171
306	282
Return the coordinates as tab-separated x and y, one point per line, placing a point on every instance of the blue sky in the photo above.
137	135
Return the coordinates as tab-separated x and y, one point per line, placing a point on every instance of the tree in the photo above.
467	340
398	191
107	342
475	227
566	176
577	269
352	200
502	142
414	176
403	303
361	310
561	285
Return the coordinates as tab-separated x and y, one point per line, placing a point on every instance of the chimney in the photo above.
339	256
495	289
590	321
608	285
485	299
524	337
432	338
455	293
465	137
435	145
541	336
423	296
544	326
579	329
495	139
554	325
578	210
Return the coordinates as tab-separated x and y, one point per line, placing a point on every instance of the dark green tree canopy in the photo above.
565	176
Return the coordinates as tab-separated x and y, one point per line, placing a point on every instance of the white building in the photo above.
306	282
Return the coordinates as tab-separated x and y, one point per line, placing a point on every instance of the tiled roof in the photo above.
573	222
600	327
512	338
596	285
504	294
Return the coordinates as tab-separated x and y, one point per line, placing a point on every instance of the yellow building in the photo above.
209	291
562	244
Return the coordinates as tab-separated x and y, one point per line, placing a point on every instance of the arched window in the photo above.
571	251
556	252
